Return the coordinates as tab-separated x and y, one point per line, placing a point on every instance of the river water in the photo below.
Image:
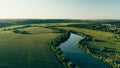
78	56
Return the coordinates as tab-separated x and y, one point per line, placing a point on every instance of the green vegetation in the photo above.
21	32
37	30
54	46
27	50
34	43
109	27
10	22
102	45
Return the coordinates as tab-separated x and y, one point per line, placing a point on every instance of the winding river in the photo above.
78	56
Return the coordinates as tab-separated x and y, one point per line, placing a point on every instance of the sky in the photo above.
60	9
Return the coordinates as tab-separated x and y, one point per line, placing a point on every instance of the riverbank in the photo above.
78	56
54	44
84	44
101	44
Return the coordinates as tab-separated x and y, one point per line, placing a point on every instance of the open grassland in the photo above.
14	26
104	45
37	30
27	50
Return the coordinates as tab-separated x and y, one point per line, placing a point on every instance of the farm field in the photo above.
27	50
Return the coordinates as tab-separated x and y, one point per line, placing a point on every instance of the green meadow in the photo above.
27	50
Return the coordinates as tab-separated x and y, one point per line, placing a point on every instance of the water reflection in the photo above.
77	56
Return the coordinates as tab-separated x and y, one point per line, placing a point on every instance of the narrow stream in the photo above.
79	57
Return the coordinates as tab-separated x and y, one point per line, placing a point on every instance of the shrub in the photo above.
21	32
71	65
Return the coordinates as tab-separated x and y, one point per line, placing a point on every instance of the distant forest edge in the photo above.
113	27
9	22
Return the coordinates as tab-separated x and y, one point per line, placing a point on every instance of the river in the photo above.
78	56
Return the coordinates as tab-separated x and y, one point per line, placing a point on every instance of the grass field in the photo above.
27	50
38	30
